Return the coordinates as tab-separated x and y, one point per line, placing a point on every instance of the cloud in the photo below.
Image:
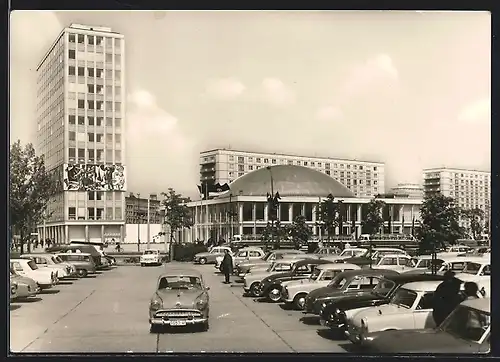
158	151
478	111
276	92
370	74
31	34
329	113
224	89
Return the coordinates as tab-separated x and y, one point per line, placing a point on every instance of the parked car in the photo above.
208	257
396	262
347	253
48	261
455	250
13	289
26	287
466	330
83	263
371	256
271	287
75	248
423	262
477	251
351	282
181	298
476	271
296	291
410	308
151	257
242	255
252	280
325	252
268	259
334	314
46	278
453	263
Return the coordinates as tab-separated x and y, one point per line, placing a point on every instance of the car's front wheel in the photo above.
254	289
203	261
299	302
274	294
82	273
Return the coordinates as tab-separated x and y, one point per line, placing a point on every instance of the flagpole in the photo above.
206	196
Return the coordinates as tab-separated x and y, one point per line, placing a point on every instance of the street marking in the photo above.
223	315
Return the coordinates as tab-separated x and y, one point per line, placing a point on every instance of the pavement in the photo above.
109	313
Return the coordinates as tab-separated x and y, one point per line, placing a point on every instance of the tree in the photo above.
373	220
439	222
475	217
177	215
328	215
299	230
31	190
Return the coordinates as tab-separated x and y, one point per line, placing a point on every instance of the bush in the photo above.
187	252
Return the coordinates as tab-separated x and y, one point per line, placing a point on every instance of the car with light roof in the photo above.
372	255
335	313
396	262
180	299
348	253
267	260
455	250
62	269
478	271
351	282
271	287
410	308
151	257
208	257
296	291
45	278
466	330
444	263
252	280
242	255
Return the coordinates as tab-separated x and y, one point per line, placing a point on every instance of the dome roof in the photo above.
289	180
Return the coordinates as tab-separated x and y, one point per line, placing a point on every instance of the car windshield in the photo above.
472	268
414	262
315	274
467	323
384	287
32	265
281	267
337	282
268	254
437	262
179	282
54	259
404	298
59	260
150	252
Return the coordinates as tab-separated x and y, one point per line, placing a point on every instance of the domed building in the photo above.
243	210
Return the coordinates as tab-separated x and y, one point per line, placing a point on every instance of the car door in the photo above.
422	315
326	278
241	256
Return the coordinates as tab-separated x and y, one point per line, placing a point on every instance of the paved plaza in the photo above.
109	313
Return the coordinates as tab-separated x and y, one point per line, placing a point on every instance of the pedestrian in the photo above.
227	266
41	243
36	243
471	290
446	297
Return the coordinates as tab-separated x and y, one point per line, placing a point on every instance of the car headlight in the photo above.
201	302
156	304
323	305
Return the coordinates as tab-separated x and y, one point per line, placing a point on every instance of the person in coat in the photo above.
446	297
227	266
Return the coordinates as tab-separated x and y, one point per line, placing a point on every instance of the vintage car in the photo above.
26	287
396	262
45	277
271	287
75	249
251	281
351	282
83	263
242	255
348	253
371	256
181	298
477	251
334	313
410	308
62	270
466	330
325	252
455	250
208	257
13	288
151	257
444	263
268	259
476	271
421	263
296	291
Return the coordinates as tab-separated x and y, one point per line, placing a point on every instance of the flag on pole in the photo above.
206	190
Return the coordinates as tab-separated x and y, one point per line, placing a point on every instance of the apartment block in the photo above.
81	128
363	178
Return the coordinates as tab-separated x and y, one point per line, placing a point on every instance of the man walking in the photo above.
227	266
446	297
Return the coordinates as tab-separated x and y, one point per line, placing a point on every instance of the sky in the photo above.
411	89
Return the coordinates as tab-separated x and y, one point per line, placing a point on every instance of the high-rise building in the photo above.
363	178
470	188
80	115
